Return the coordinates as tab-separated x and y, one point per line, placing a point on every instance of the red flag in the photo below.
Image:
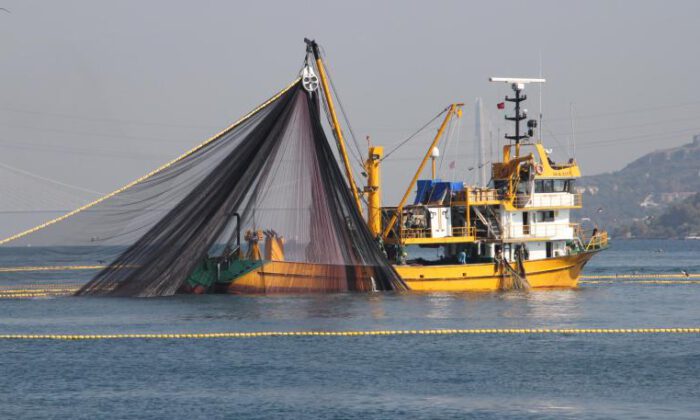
501	105
452	164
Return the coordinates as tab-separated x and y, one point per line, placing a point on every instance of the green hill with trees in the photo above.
653	196
679	220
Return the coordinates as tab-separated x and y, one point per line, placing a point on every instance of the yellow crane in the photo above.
312	48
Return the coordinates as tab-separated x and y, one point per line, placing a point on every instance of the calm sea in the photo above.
452	376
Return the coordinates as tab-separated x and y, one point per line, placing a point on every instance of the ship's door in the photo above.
526	223
549	250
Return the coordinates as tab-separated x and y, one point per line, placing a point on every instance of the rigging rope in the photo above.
152	173
357	153
49	180
453	126
414	134
342	109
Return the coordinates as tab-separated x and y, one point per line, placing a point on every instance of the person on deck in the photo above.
462	257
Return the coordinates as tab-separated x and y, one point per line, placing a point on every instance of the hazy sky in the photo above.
95	93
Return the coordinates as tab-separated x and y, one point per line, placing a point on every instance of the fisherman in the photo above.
462	257
498	259
525	252
380	244
403	255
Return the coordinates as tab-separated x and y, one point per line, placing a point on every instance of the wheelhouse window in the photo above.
559	185
545	216
543	186
553	185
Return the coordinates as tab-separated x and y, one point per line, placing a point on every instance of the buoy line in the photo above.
57	292
47	290
639	281
163	167
34	295
642	276
43	290
486	331
50	268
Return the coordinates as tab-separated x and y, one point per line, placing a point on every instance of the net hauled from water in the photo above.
272	180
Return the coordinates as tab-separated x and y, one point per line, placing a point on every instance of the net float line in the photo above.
640	282
41	290
486	331
37	290
50	268
153	172
49	290
642	276
35	295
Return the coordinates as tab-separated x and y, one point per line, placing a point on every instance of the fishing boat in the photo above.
514	233
269	206
517	232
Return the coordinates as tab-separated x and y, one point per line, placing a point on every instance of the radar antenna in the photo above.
518	85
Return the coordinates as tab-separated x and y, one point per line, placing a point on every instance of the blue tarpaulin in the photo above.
456	186
439	192
430	191
424	186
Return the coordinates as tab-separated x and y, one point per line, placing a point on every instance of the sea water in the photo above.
407	376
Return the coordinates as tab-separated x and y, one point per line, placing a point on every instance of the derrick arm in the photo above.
312	46
451	111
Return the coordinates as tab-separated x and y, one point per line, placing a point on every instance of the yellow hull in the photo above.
291	277
294	277
551	272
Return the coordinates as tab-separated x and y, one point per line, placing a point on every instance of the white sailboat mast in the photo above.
479	143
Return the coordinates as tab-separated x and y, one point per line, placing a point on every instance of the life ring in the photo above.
539	169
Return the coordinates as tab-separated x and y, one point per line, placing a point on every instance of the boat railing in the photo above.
597	241
478	195
464	231
547	200
540	230
412	233
592	239
417	233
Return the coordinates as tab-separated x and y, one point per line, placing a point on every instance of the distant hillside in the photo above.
679	220
644	189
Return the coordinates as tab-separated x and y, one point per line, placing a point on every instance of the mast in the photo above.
517	118
373	190
312	47
540	116
480	149
518	85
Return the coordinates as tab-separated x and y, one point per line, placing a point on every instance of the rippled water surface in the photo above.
412	376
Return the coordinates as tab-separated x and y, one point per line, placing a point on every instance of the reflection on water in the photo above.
376	301
440	305
458	376
554	307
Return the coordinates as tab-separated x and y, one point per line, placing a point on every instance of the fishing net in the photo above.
262	207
